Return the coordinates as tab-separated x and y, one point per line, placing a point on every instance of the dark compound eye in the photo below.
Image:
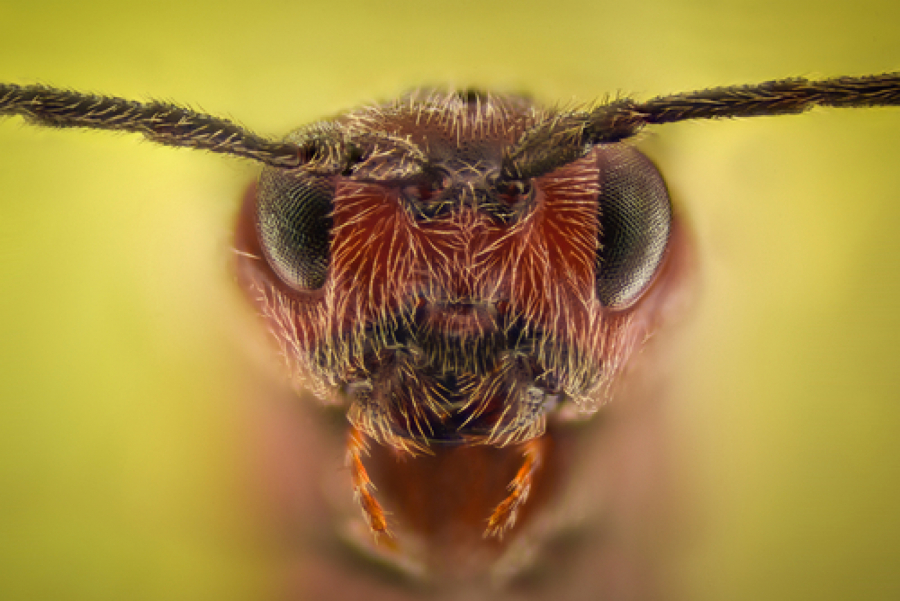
294	221
635	216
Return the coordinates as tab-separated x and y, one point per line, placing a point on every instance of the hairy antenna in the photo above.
160	122
560	140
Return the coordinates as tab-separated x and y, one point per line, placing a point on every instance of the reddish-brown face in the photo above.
440	301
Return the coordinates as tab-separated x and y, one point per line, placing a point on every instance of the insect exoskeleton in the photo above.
455	288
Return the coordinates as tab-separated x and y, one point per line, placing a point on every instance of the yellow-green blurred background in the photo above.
124	387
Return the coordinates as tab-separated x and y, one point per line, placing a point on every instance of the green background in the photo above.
127	388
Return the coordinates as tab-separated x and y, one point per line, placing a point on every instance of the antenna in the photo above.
564	138
160	122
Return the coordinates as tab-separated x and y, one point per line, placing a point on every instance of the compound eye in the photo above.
294	225
635	216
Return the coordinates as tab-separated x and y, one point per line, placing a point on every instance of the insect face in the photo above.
440	300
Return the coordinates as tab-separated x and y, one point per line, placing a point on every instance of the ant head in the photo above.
446	300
